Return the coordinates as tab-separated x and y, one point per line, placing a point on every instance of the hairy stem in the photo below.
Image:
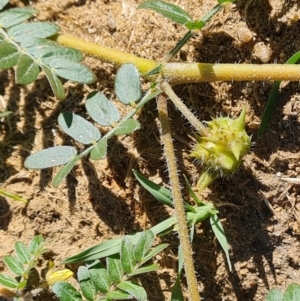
182	73
177	199
165	86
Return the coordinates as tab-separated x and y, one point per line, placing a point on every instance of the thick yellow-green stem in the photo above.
181	73
177	199
106	54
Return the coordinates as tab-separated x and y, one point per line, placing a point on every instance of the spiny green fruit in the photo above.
221	148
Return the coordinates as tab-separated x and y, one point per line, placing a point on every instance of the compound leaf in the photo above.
126	127
9	56
100	150
135	290
27	70
168	10
50	157
86	284
144	244
8	281
23	31
127	256
78	128
66	292
114	268
22	252
16	16
101	109
14	265
99	276
127	84
55	83
71	70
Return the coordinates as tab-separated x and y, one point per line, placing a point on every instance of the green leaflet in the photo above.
5	114
14	16
14	265
127	127
134	289
22	252
36	244
101	109
99	276
272	99
50	157
100	150
87	286
114	268
24	31
143	245
9	56
71	70
64	171
45	49
78	128
128	260
127	84
66	292
27	70
3	3
220	235
292	292
168	10
8	281
160	193
55	83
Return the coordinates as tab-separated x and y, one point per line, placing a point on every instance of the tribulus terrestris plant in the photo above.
220	146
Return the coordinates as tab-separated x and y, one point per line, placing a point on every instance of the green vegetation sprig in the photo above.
21	265
220	156
101	111
25	45
114	281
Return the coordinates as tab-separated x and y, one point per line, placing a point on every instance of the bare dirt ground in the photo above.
100	200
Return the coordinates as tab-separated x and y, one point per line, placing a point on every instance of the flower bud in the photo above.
222	148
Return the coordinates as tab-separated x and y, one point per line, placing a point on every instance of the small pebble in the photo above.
244	35
262	52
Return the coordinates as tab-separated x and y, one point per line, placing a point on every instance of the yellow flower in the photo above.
61	275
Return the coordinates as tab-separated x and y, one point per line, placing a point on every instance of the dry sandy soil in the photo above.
260	210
